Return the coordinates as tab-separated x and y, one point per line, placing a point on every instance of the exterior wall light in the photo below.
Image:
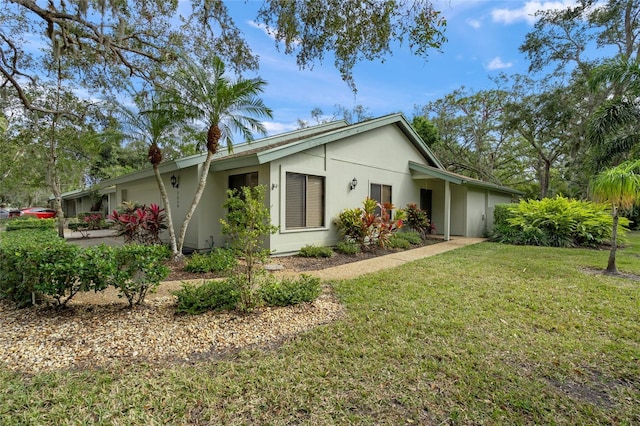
353	184
175	182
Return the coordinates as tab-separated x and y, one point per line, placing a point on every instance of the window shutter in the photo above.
294	209
315	202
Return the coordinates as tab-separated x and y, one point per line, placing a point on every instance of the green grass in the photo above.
487	334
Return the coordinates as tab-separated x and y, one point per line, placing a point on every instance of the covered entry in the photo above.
459	205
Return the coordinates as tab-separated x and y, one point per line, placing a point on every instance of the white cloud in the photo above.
275	128
269	32
498	64
528	11
474	23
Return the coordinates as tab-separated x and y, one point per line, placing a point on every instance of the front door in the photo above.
426	201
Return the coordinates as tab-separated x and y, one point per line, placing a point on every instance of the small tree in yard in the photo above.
247	225
620	186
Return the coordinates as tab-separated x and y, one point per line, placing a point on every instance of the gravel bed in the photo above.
85	335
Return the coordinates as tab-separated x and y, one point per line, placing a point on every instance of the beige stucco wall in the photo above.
378	156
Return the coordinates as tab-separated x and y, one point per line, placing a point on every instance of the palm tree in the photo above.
225	106
619	186
614	130
151	125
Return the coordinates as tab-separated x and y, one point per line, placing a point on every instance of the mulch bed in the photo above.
293	263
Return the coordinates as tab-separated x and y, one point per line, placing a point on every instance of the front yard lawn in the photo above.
487	334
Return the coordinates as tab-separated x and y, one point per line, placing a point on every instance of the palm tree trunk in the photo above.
167	210
204	174
611	265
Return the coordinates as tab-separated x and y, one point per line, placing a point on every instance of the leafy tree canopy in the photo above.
110	43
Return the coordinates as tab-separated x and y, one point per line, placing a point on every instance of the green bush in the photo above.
370	225
412	237
218	260
140	270
418	220
290	292
21	223
91	220
396	241
313	251
247	226
348	247
57	269
20	253
556	222
38	262
210	296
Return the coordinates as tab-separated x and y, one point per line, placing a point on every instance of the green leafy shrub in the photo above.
412	237
247	225
91	220
97	268
314	251
19	261
556	222
140	270
418	220
371	225
218	260
57	271
21	223
139	224
396	241
210	296
291	292
348	247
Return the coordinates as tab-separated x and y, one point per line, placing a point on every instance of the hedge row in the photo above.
37	264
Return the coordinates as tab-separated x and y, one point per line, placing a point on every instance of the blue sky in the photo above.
483	40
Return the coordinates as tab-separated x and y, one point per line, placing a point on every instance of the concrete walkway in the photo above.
356	269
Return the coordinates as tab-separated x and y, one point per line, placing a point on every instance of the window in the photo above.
380	193
305	201
246	179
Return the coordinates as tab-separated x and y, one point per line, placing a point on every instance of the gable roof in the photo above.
298	143
420	171
275	147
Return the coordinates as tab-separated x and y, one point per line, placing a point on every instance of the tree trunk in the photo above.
545	176
204	174
167	209
611	265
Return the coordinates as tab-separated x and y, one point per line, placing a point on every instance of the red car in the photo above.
39	212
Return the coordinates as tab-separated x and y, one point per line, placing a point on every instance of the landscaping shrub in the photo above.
91	220
314	251
139	224
19	261
97	268
348	247
247	225
418	220
412	237
370	225
290	292
557	222
210	296
218	260
56	273
39	263
21	223
396	241
140	270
